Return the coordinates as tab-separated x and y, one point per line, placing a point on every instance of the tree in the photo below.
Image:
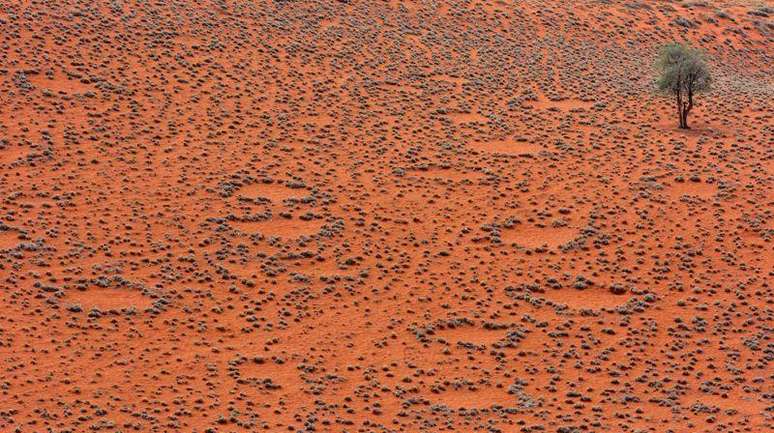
683	74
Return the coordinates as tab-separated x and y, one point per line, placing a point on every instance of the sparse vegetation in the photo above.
683	74
396	216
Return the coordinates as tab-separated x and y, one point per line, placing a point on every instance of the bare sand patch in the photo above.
107	299
275	192
510	146
535	237
286	228
693	189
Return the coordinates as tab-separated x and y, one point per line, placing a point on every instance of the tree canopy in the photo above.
683	74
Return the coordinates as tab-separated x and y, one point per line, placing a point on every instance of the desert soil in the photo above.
383	216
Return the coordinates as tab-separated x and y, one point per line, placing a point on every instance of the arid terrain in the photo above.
383	216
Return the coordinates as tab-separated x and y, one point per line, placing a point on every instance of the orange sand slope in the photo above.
383	216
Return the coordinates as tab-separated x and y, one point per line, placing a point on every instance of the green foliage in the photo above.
682	68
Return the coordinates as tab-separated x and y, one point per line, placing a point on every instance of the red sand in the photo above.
382	217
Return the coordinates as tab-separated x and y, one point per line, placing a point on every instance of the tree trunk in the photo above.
680	115
688	107
684	110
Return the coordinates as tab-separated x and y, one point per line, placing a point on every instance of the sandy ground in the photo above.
383	216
